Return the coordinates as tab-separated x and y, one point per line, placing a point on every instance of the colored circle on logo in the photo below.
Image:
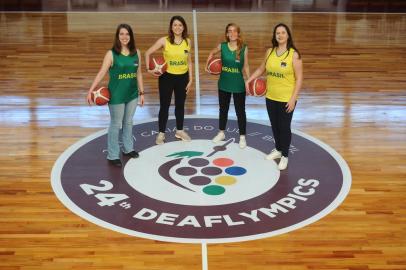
235	170
225	180
223	162
199	162
211	171
214	190
148	197
200	180
186	171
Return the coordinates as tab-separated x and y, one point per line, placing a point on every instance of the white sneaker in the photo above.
219	137
160	139
274	155
182	135
243	142
283	163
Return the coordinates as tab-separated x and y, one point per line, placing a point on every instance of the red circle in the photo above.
223	162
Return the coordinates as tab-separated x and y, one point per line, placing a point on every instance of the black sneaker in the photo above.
132	154
115	162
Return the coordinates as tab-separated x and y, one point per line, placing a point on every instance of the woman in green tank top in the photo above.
125	85
234	58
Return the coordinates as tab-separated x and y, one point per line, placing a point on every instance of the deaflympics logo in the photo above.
208	174
198	191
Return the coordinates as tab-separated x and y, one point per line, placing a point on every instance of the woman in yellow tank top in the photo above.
284	76
177	78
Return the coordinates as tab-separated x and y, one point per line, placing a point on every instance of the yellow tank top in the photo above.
280	76
176	56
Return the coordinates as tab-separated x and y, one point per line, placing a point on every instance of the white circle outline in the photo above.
61	195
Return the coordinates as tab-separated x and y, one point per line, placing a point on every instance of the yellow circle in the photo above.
225	180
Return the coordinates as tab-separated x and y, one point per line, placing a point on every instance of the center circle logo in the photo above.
204	174
198	191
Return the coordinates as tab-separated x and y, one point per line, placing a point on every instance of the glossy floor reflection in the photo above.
353	99
388	6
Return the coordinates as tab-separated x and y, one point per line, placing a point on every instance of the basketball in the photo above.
257	87
214	66
157	64
101	96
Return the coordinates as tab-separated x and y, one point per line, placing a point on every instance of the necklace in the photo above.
178	42
232	46
280	53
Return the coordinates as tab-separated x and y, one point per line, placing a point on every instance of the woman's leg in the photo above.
224	105
166	84
285	120
129	111
116	118
239	106
272	108
181	82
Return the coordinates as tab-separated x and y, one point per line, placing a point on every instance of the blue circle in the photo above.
235	170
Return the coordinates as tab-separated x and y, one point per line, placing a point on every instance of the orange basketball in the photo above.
101	96
257	87
157	64
214	66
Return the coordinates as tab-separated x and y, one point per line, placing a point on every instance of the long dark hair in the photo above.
117	44
171	35
239	39
289	44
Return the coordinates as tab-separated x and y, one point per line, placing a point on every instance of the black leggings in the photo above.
239	106
169	83
280	121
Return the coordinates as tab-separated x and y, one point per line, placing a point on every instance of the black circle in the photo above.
211	171
200	180
199	162
186	171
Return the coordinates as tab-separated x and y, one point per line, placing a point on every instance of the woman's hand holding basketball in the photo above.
89	98
247	87
153	72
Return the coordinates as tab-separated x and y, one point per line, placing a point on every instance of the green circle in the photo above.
214	190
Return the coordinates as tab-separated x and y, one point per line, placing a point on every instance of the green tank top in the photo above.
231	78
123	84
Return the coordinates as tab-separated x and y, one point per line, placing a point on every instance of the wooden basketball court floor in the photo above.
353	99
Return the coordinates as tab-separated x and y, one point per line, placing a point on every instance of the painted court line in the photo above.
197	78
205	265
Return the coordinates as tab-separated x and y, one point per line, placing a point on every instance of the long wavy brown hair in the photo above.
289	44
240	42
171	35
131	44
